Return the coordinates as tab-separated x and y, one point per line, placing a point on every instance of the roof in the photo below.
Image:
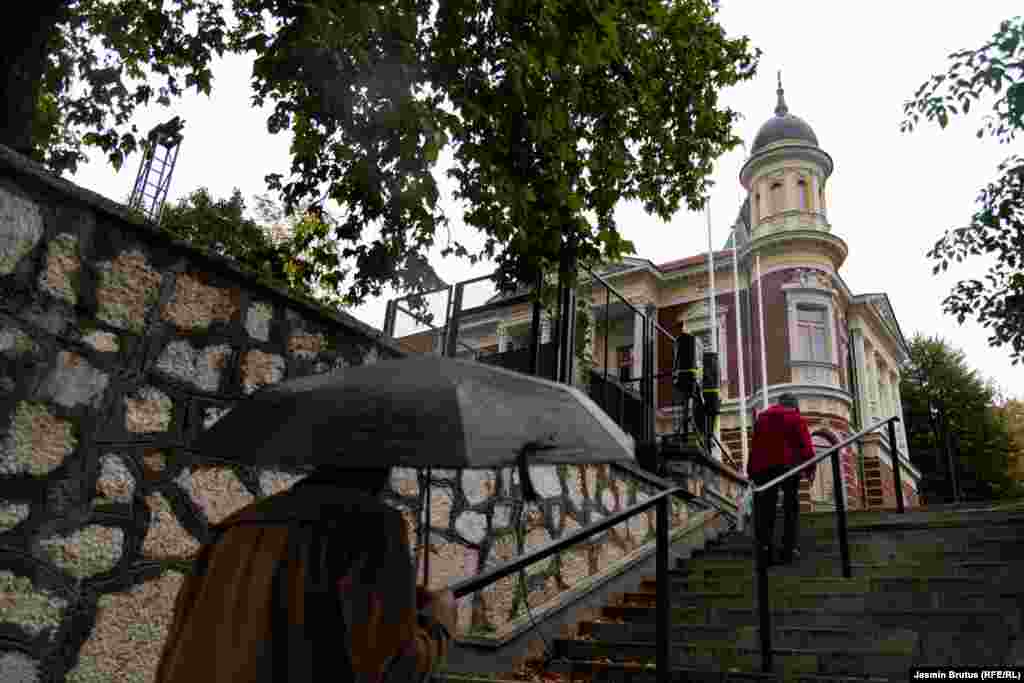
783	126
883	307
691	261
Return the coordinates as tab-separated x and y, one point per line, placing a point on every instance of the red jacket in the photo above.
780	438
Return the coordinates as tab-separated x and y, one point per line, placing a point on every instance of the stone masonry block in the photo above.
194	304
217	491
128	287
87	552
478	485
273	482
36	442
201	368
127	641
149	410
472	526
105	342
304	345
74	381
21	228
257	320
60	277
14	343
12	514
33	609
260	369
166	537
116	482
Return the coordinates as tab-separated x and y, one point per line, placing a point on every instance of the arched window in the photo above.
822	489
776	196
805	197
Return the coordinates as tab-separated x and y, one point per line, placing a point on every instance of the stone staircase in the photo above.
929	588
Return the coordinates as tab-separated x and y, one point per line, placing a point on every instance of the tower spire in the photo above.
781	109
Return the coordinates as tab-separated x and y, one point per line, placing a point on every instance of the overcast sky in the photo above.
847	69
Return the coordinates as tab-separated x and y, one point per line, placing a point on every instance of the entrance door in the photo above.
822	490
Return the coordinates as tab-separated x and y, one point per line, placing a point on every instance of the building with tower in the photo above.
785	322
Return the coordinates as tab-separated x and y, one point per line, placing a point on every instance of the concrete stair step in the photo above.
926	544
974	637
619	672
845	600
880	520
892	661
997	571
800	637
799	584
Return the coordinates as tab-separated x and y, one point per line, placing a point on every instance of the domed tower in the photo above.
785	176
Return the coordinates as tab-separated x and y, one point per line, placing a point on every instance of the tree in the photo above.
564	109
221	226
997	227
1013	412
941	396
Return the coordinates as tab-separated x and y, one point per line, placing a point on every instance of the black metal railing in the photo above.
606	391
662	501
628	401
760	561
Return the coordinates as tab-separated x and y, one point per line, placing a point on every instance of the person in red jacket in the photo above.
781	442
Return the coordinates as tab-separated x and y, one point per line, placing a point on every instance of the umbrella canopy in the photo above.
423	411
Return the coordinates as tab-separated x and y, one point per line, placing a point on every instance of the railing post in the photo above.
389	318
453	323
764	614
645	367
664	597
535	330
896	475
839	497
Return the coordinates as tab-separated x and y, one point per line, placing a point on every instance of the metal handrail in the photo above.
476	583
840	500
821	456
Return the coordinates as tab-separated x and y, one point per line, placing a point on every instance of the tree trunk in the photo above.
24	37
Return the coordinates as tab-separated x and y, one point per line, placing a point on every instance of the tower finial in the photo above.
780	109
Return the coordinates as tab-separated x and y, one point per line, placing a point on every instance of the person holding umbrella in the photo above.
311	583
318	581
781	442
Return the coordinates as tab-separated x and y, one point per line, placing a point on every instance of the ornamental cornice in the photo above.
783	241
785	151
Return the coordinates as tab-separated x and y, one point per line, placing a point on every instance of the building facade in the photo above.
785	322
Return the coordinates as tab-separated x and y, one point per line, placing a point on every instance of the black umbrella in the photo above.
424	411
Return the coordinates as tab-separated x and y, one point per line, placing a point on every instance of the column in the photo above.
860	372
638	348
545	328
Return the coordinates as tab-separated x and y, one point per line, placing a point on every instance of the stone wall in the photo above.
117	348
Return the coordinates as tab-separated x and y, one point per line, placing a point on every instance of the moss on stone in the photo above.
89	551
22	604
37	442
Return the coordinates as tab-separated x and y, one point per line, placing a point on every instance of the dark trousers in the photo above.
765	510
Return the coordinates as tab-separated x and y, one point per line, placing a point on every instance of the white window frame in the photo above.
806	352
807	294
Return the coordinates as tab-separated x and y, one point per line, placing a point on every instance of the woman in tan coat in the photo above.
316	583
